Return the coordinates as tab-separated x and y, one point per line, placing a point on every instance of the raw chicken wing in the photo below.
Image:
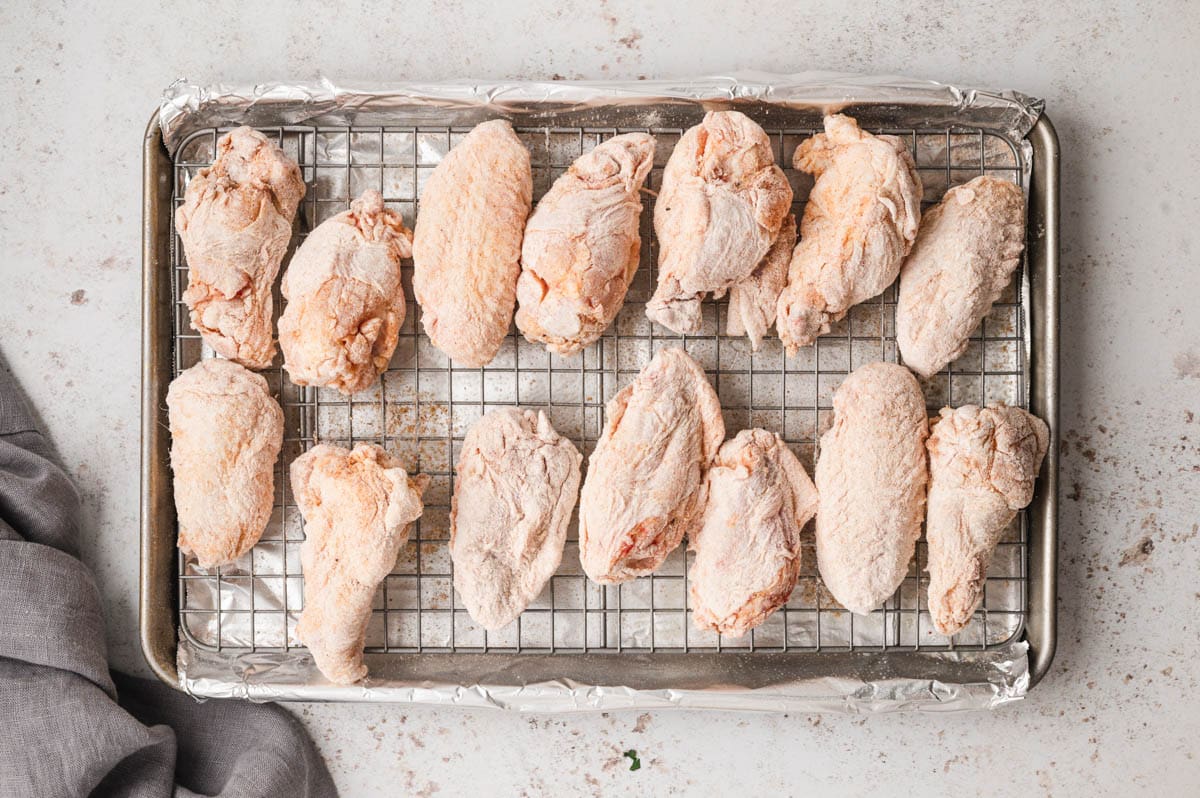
641	493
235	223
752	302
467	245
581	246
345	302
515	487
966	251
226	432
722	202
983	463
871	475
757	498
357	507
859	223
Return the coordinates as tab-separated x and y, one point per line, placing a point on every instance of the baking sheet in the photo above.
236	639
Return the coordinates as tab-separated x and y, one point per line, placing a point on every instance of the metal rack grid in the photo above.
421	408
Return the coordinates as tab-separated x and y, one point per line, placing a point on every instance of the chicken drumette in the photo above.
235	223
345	302
722	202
757	498
859	222
357	507
983	463
582	244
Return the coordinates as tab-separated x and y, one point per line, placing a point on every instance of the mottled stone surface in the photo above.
78	82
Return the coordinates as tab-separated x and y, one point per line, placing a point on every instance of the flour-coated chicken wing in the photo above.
515	487
640	496
757	497
753	301
983	463
235	224
582	245
859	222
871	476
722	201
467	242
357	507
966	251
345	303
226	432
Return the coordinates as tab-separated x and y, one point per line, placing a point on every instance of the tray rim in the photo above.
159	635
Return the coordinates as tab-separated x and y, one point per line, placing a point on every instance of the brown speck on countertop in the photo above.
631	41
642	722
79	297
1139	552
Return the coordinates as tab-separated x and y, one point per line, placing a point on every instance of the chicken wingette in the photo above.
641	493
226	432
467	242
871	476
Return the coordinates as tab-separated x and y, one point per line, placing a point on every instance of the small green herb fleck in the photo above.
635	763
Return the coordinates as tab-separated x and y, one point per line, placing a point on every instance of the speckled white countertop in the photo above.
1118	710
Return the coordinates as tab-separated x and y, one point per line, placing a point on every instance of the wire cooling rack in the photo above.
422	407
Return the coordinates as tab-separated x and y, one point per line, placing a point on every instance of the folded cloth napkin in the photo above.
69	726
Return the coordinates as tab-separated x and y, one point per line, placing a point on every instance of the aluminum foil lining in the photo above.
188	107
821	681
991	679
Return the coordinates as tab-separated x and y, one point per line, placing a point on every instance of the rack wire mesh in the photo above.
422	407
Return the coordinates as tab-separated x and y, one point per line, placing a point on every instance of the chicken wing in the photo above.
582	244
722	202
345	302
357	507
235	223
752	302
467	244
226	432
871	475
640	496
859	223
983	463
966	251
757	498
515	487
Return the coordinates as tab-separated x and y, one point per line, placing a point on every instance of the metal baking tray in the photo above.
582	645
